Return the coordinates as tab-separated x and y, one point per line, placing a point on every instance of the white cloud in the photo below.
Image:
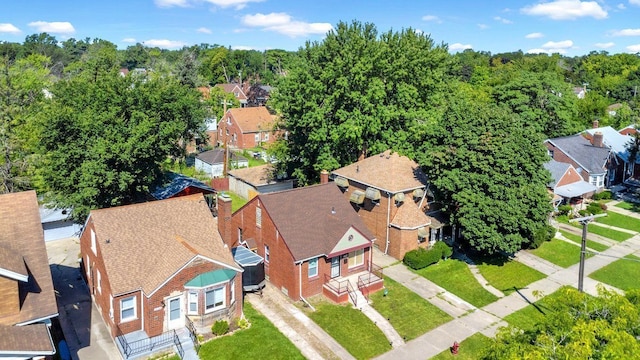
459	47
237	4
129	40
558	44
566	9
634	2
171	3
546	51
283	23
626	32
535	35
432	18
56	27
164	44
204	30
634	48
604	45
483	26
502	20
621	6
242	47
9	28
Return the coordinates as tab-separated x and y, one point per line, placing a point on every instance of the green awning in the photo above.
211	277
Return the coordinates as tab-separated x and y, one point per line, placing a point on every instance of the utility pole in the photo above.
583	246
224	142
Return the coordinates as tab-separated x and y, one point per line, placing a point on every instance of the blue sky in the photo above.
570	27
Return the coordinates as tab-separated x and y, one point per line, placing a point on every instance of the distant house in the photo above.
245	128
175	185
311	240
567	185
248	182
158	266
57	224
212	162
389	192
592	160
238	90
628	130
618	143
26	286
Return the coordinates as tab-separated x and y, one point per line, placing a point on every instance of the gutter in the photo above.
386	249
300	288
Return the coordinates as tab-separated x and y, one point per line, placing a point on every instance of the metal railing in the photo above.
340	287
352	293
363	289
142	346
372	276
178	344
193	334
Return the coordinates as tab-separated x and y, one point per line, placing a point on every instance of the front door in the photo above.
175	313
335	267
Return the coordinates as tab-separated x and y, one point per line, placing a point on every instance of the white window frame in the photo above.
133	307
312	270
215	307
357	254
266	253
93	242
258	217
266	136
257	137
99	281
190	301
232	291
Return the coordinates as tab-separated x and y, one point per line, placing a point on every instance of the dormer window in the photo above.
373	194
357	197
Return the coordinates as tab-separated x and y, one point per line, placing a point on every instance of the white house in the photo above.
212	162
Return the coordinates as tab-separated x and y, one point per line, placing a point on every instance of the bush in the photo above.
605	195
421	258
445	250
243	323
594	208
220	327
545	233
564	209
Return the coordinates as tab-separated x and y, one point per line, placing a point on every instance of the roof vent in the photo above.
357	168
333	210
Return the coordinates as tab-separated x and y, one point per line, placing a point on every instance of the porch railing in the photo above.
363	289
148	345
352	293
341	287
178	344
193	334
371	276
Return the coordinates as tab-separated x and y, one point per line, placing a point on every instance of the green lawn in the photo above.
578	240
249	155
558	252
628	206
455	276
527	317
622	273
609	233
410	314
508	276
236	201
468	350
621	221
260	341
352	329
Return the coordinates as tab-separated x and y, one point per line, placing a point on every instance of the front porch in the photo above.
341	289
138	345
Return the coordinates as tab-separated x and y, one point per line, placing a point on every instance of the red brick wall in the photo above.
560	156
569	177
404	241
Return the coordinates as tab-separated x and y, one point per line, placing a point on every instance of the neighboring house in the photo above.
389	192
237	90
311	240
26	288
618	143
57	224
151	266
175	185
629	130
592	160
248	182
212	162
567	185
258	95
245	128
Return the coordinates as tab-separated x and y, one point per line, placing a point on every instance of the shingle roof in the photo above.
387	171
252	119
557	170
28	340
304	218
591	158
614	140
254	176
216	156
21	233
165	235
231	88
409	216
174	183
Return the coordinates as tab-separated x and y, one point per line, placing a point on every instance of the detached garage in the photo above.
57	224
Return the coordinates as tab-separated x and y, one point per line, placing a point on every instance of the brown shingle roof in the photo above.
27	339
387	171
305	221
164	235
255	176
409	216
252	119
21	232
232	89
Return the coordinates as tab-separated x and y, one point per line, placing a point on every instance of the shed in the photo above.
253	264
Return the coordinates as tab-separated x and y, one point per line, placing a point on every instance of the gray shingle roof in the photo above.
216	156
589	157
557	170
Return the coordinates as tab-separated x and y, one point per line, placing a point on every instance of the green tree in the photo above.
136	56
357	92
486	165
103	138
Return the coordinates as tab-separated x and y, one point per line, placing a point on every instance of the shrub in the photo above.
243	323
605	195
564	209
421	258
594	208
445	250
220	327
545	233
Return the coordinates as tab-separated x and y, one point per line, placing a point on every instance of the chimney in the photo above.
598	139
596	124
224	219
324	177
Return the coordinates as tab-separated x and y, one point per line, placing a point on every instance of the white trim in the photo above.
379	188
189	302
14	275
41	319
93	242
224	299
232	290
99	276
135	310
355	257
309	275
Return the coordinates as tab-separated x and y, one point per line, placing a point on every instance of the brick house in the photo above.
27	300
150	265
246	128
389	192
567	185
250	181
311	240
238	90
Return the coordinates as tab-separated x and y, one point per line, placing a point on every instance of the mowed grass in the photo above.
622	273
628	206
608	233
236	201
260	341
558	252
509	275
469	349
621	221
531	315
455	276
594	245
408	313
352	329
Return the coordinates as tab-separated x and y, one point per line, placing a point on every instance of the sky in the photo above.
569	27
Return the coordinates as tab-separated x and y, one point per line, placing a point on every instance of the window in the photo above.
239	235
313	267
232	291
258	217
266	253
193	302
128	308
266	136
257	137
356	258
214	299
93	242
99	281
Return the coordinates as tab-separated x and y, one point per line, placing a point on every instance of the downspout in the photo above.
370	256
423	196
386	249
300	287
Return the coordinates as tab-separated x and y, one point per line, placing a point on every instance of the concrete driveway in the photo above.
86	334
